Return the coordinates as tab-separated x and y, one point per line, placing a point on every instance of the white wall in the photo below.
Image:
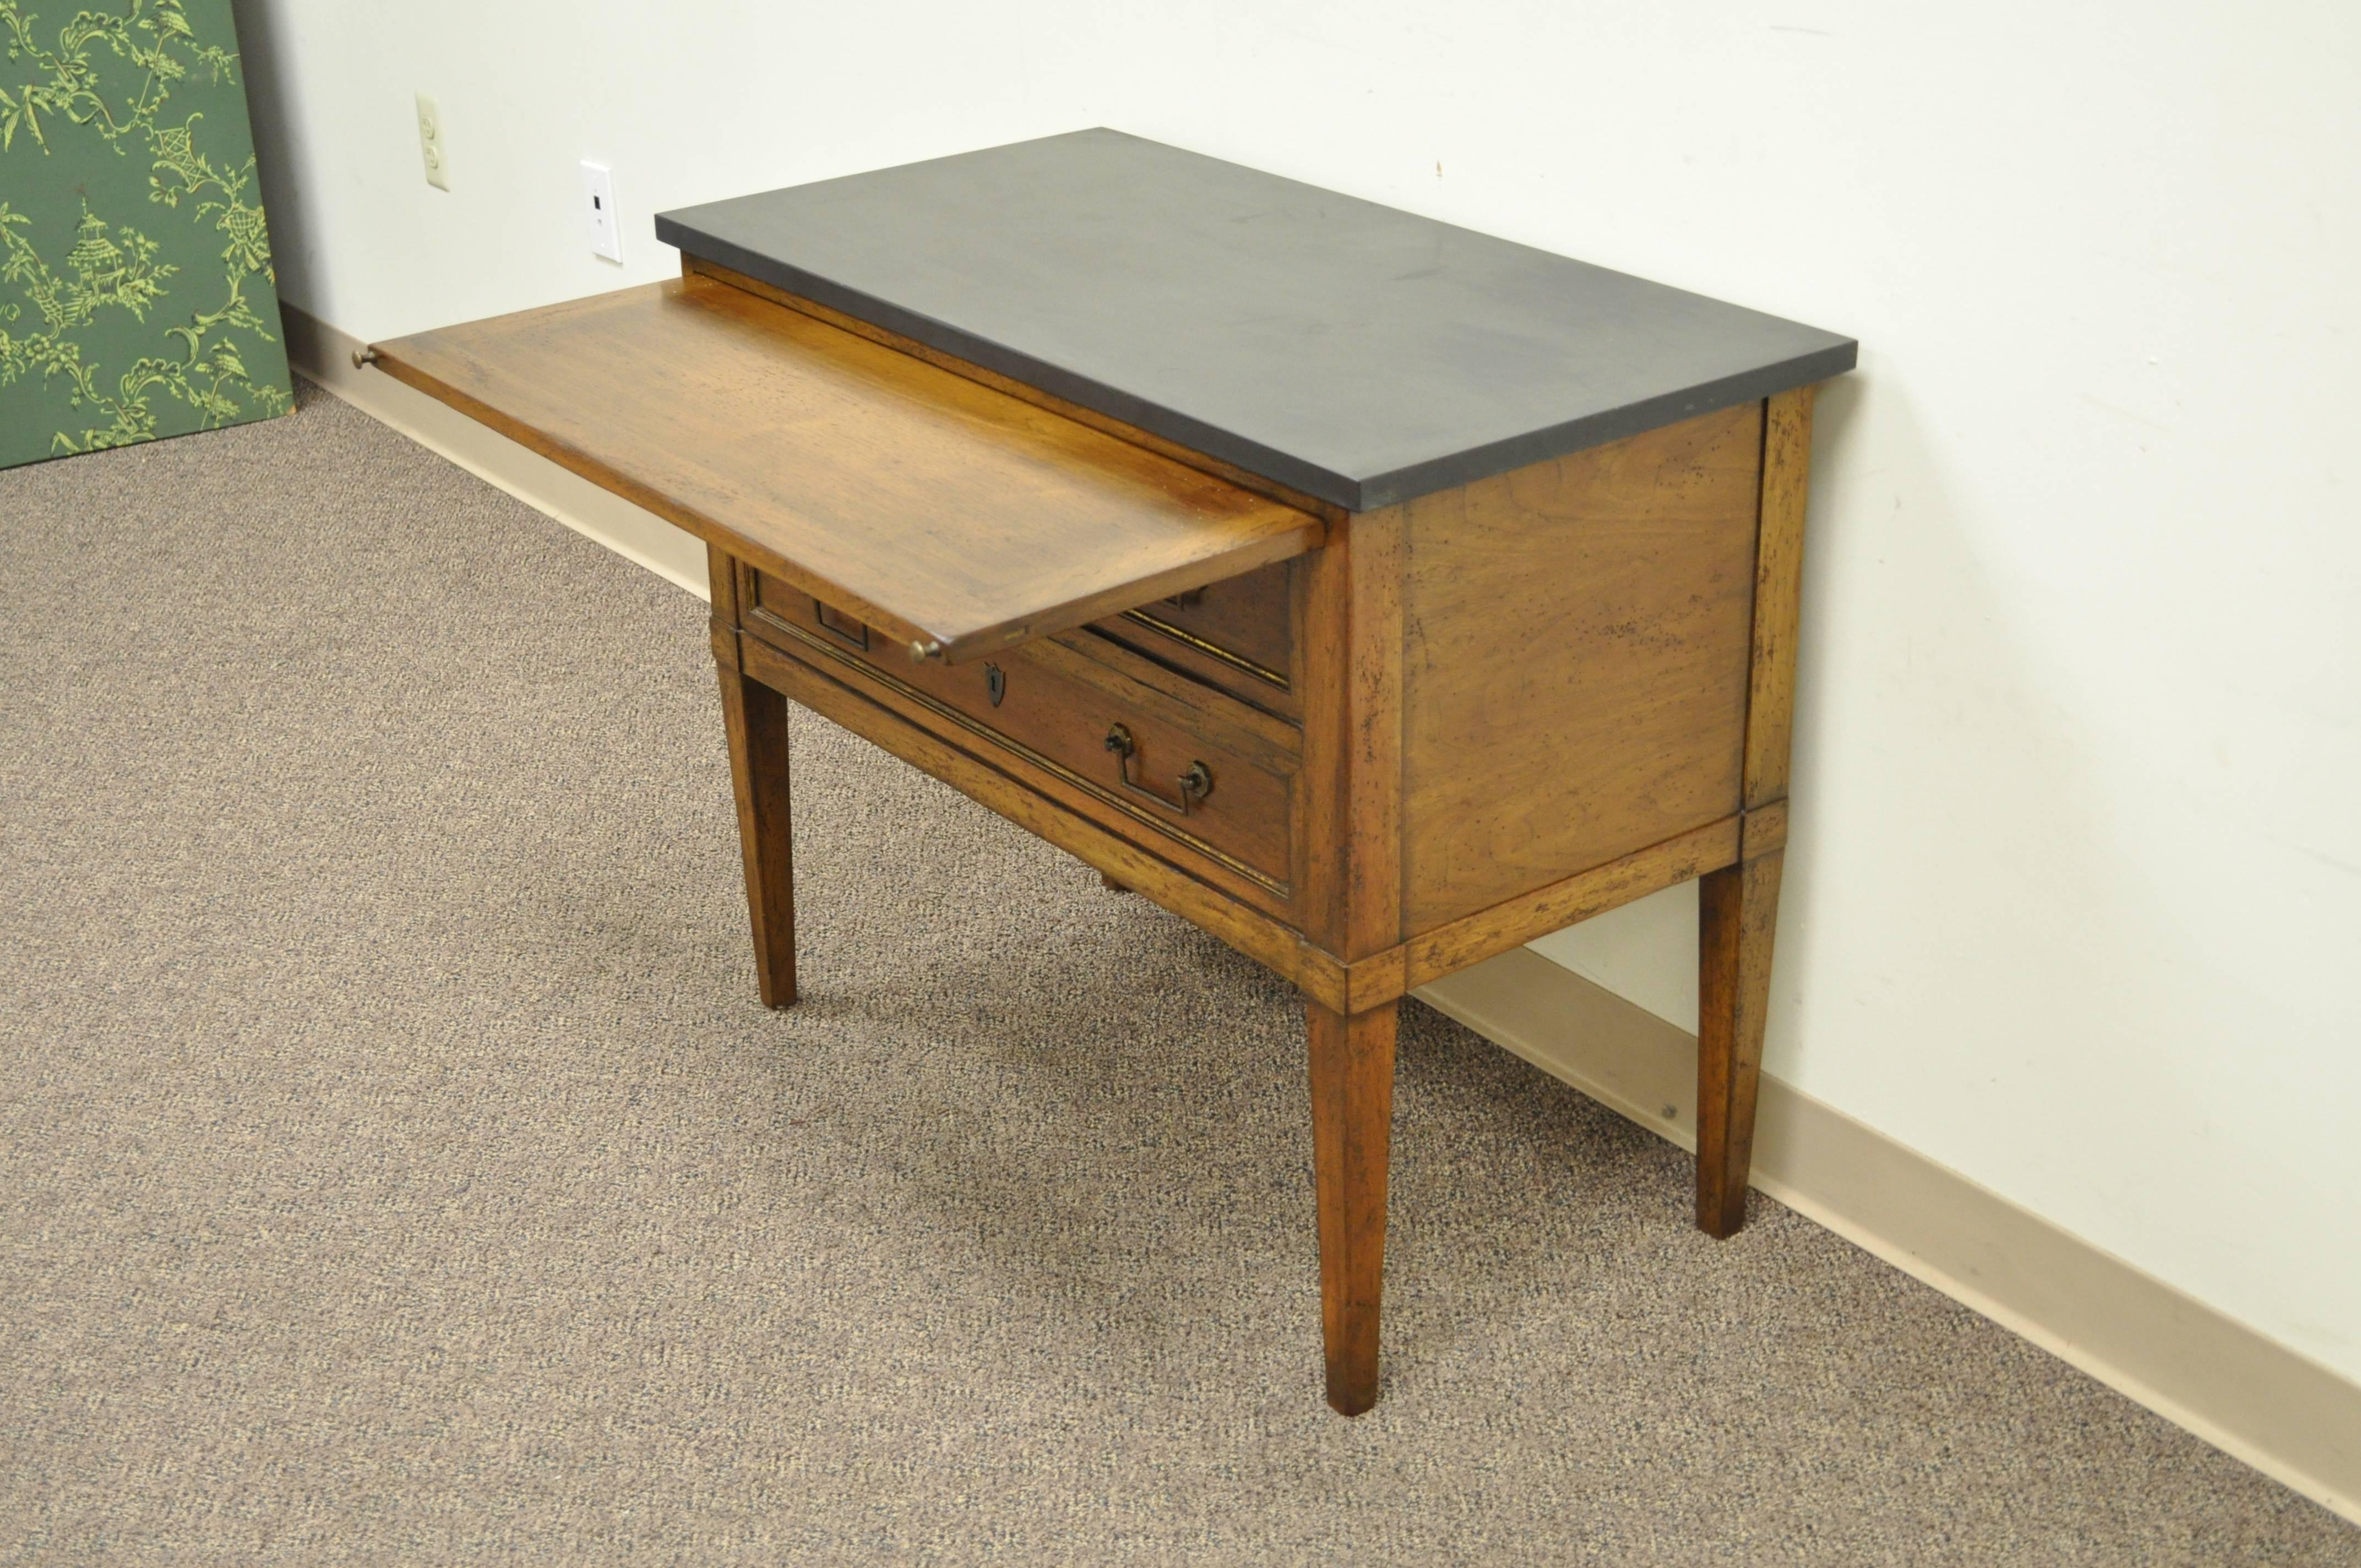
2073	902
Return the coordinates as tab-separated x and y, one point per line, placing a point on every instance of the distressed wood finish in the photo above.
925	503
1353	767
1354	677
698	265
1352	1062
1472	938
1078	656
1247	621
1737	908
1762	830
1191	893
1240	635
754	726
1183	842
1058	702
1578	650
1778	595
1456	724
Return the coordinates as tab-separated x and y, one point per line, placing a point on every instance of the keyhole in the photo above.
996	683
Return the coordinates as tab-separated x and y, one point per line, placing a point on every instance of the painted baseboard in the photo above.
325	355
2254	1398
2251	1397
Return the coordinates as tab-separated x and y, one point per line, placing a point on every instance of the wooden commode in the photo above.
1377	595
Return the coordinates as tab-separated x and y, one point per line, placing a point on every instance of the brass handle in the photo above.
1196	781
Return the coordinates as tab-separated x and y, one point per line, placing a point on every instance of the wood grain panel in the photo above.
1576	661
1352	1062
929	505
1247	621
1738	912
1352	675
1472	938
1778	593
1243	479
754	727
1241	635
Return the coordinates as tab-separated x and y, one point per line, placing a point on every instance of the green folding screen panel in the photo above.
136	297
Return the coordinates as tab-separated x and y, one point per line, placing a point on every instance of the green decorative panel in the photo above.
136	297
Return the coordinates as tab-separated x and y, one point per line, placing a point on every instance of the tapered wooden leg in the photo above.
757	718
1738	910
1352	1129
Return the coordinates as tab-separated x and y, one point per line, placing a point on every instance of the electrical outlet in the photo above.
598	210
430	144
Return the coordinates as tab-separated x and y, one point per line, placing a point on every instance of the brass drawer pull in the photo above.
1196	783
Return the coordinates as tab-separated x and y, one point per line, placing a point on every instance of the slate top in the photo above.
1357	353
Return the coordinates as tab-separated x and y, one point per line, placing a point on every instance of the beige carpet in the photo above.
399	1169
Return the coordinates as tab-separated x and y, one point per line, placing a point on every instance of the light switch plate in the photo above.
430	144
598	208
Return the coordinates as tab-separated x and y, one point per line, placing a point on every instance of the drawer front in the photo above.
1239	633
1188	763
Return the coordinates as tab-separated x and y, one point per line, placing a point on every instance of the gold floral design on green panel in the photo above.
137	294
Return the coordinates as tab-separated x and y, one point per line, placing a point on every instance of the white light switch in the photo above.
598	208
430	144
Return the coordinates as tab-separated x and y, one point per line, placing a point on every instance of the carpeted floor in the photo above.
396	1167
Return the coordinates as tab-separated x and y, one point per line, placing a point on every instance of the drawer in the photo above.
1146	748
1239	634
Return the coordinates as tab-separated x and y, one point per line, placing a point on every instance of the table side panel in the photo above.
1576	640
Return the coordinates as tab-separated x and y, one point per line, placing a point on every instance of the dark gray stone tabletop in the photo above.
1359	353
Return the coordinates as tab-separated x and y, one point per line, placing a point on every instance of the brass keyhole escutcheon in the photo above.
996	683
1195	782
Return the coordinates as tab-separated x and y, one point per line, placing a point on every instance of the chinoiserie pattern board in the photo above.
137	295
